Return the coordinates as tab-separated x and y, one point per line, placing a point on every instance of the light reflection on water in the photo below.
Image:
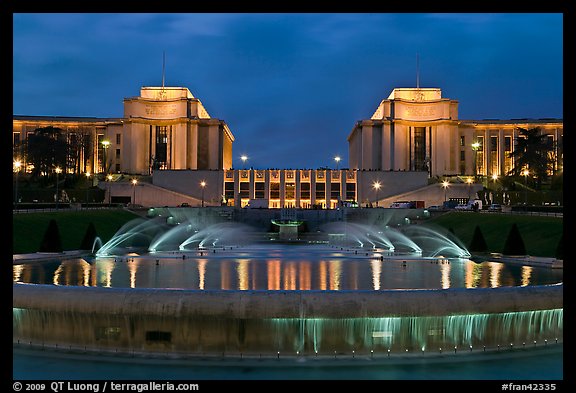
295	268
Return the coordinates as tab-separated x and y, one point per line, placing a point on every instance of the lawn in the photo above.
29	228
541	234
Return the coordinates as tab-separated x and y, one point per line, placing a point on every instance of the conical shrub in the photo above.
51	242
89	237
514	243
560	248
478	243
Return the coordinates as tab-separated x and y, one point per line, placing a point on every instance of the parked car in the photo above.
495	207
185	204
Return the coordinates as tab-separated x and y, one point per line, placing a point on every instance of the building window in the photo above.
462	155
420	149
462	140
305	190
335	191
117	154
290	191
480	157
493	154
320	191
118	139
274	190
244	190
259	190
229	190
350	191
161	156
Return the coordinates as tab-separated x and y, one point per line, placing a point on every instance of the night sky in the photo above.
290	86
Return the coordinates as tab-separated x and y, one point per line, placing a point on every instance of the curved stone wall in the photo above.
286	304
299	322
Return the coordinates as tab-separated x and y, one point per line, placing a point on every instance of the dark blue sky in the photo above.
290	86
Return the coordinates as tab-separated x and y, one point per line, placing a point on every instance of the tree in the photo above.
89	238
47	149
51	241
514	243
478	243
533	151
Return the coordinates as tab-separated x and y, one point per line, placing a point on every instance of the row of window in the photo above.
320	191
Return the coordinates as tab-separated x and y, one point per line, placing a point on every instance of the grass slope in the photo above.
28	229
541	234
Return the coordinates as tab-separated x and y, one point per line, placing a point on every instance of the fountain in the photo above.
173	286
416	239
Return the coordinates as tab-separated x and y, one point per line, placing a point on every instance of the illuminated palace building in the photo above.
167	133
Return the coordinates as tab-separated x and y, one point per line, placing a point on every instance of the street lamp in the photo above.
469	181
243	157
17	165
525	172
337	159
376	185
58	171
475	147
87	187
203	185
134	182
105	145
445	184
109	178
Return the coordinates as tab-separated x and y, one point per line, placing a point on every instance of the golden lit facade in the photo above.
163	128
416	129
414	134
289	188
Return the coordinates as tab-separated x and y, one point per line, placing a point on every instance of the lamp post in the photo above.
105	145
17	165
376	185
475	147
109	179
203	185
87	186
134	182
525	172
445	184
243	157
337	159
57	170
